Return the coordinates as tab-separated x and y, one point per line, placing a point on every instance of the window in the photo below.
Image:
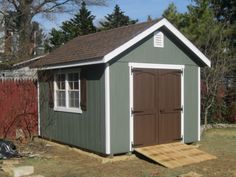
67	92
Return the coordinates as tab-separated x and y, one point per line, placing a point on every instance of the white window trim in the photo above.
131	97
67	108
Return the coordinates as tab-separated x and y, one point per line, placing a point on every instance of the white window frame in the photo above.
67	108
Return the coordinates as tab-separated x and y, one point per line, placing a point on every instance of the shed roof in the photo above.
93	46
103	46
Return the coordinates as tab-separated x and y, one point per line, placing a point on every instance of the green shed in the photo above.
128	87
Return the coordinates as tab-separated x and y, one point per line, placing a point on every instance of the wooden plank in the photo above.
174	155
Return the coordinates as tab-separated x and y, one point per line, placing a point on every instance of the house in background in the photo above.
115	90
9	38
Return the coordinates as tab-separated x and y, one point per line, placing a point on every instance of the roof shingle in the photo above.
92	46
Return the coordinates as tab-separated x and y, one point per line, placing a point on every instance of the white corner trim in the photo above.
131	92
38	99
131	104
199	103
139	37
107	109
183	105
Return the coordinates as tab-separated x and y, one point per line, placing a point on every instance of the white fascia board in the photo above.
71	65
149	31
189	44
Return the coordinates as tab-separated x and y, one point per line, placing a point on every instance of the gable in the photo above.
145	52
161	24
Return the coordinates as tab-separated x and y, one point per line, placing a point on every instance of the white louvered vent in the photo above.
158	39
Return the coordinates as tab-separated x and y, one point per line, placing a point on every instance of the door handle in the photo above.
162	110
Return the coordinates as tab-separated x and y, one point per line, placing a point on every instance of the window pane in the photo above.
60	80
73	81
76	85
74	99
71	85
60	77
61	98
73	76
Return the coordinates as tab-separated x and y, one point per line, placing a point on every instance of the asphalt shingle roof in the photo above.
93	46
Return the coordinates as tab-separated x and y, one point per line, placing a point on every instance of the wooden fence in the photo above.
18	108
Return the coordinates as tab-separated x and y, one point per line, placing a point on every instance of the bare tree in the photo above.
216	48
20	13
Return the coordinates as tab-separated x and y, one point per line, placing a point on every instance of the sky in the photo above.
136	9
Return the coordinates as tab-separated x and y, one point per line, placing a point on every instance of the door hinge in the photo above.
180	71
179	109
135	111
135	145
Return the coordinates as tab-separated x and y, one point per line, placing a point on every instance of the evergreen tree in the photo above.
80	24
116	19
84	21
199	24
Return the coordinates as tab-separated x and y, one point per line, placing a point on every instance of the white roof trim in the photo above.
163	22
70	65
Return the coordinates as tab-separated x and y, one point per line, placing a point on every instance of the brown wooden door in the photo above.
145	104
156	106
169	106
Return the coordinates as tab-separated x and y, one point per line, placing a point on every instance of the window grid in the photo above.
67	91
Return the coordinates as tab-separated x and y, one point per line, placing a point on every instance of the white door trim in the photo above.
131	98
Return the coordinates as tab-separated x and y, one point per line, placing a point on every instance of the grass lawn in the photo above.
62	162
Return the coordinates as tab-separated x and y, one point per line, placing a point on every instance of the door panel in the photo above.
144	130
144	107
170	106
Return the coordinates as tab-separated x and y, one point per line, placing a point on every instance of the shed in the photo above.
128	87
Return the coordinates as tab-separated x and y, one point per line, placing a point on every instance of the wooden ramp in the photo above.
174	154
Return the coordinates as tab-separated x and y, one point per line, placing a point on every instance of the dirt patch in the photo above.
50	160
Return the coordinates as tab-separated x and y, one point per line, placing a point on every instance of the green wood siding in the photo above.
144	52
86	130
